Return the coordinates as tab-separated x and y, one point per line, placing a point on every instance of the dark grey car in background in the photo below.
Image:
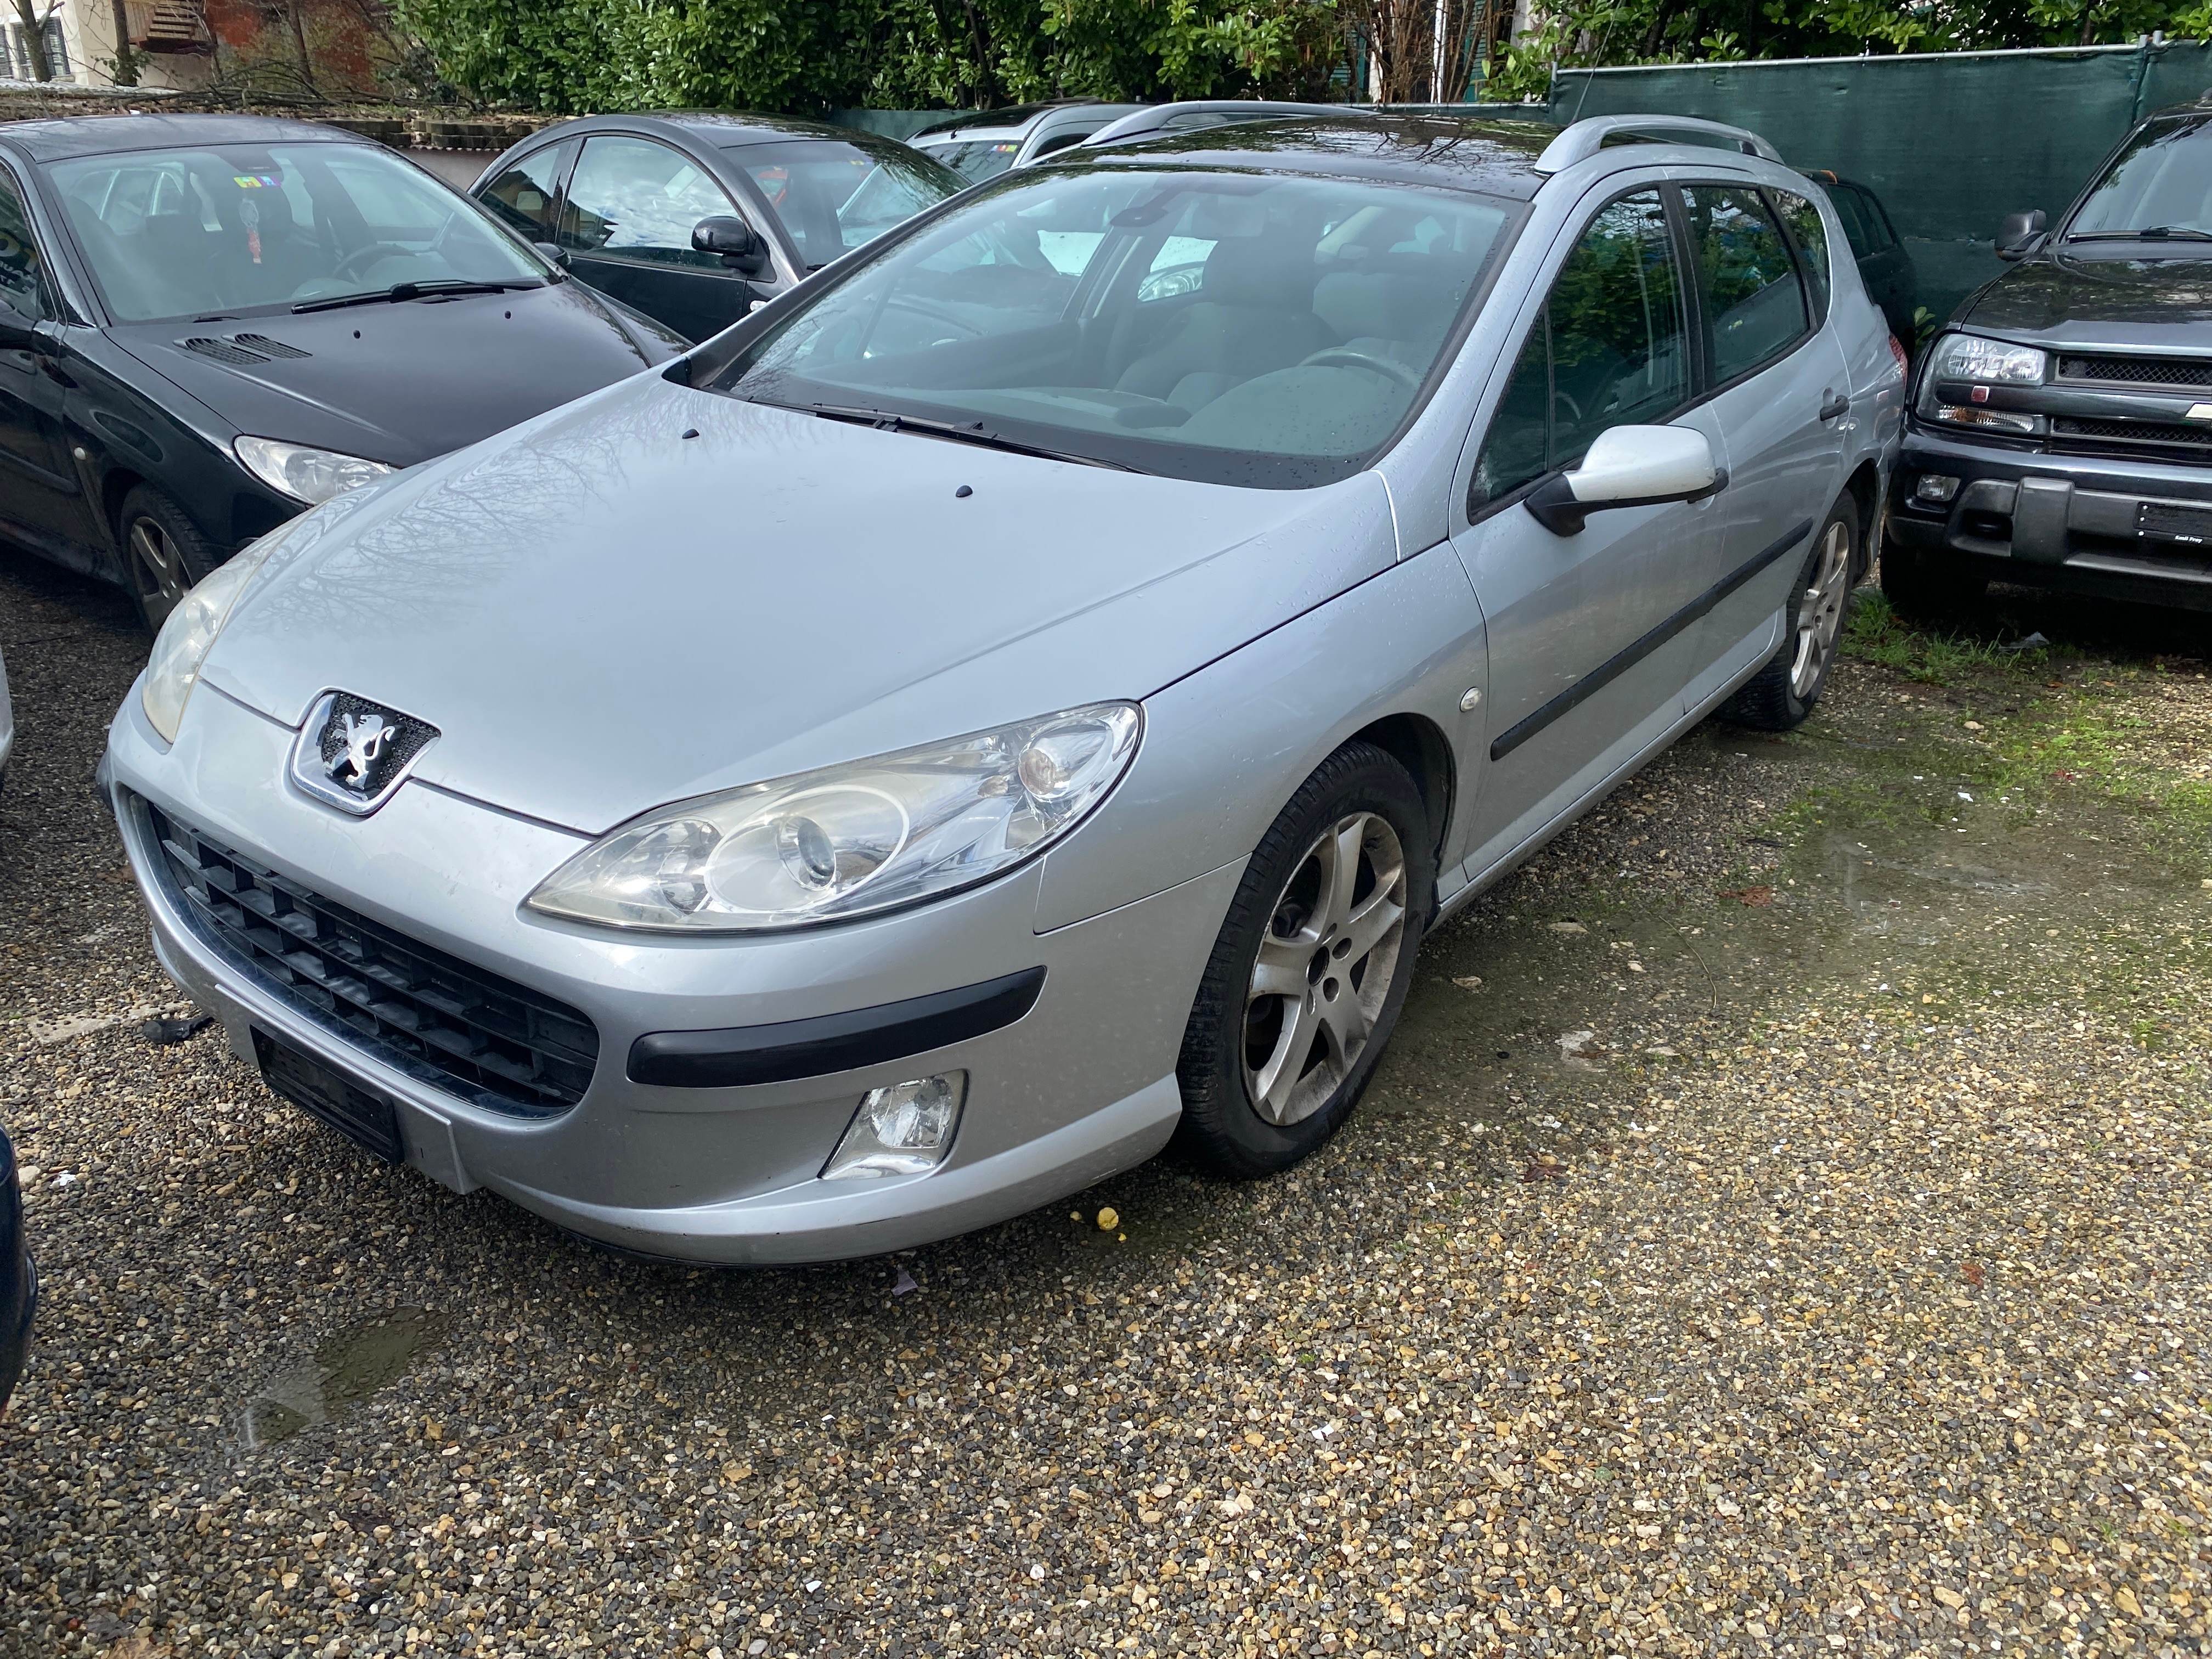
622	200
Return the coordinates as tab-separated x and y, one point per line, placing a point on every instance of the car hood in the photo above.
656	593
2063	298
400	382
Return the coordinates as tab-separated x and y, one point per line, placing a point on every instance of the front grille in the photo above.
2196	439
2138	371
432	1016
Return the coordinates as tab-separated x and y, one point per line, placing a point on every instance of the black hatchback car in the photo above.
209	323
694	218
2060	432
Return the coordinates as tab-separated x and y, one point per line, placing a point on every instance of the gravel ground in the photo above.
1778	1228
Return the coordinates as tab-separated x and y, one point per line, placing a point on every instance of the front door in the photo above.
626	225
42	499
523	194
1782	390
1582	673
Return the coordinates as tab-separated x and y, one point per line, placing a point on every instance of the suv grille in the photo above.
434	1017
2197	440
2139	371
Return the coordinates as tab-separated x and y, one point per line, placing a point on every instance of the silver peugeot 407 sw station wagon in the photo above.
1023	696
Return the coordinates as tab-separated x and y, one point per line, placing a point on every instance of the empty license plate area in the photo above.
361	1115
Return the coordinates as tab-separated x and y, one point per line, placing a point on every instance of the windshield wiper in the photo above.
883	421
399	292
2149	234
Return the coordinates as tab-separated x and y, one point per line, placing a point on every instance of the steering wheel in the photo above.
344	267
1343	357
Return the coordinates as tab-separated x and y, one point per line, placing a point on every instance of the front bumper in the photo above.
1080	1086
2085	524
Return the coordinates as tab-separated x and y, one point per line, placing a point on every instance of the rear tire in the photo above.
163	554
1922	588
1781	695
1312	966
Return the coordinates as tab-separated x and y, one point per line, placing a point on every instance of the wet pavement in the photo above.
1778	1227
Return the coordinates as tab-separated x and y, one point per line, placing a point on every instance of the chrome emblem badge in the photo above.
352	753
364	737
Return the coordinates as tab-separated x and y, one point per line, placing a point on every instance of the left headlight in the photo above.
189	634
851	841
312	476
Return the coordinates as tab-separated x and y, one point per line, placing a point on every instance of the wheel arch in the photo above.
1418	744
1863	487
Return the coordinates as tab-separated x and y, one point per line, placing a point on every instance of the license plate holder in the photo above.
363	1116
2174	522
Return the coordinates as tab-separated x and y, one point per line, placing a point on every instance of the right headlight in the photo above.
189	634
853	840
1970	357
312	476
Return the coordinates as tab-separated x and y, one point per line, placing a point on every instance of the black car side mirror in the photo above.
738	244
2020	234
558	255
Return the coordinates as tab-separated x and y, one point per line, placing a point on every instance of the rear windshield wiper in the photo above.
884	420
399	292
2149	233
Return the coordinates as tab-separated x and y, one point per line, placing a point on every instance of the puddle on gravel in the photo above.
347	1367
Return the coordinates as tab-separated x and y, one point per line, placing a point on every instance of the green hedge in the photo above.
811	56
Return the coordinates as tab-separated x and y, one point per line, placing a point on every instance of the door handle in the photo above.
1837	405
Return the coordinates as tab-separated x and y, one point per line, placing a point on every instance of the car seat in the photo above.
1255	315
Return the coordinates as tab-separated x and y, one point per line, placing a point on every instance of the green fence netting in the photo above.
1950	141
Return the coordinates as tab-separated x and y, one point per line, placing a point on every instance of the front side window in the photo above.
523	195
179	233
1805	223
22	274
638	199
1303	318
977	158
1610	348
833	196
1754	300
2159	187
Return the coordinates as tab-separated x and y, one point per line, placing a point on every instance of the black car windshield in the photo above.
833	196
2159	187
1271	329
185	233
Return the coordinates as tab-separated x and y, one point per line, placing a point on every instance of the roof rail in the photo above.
1585	138
1189	113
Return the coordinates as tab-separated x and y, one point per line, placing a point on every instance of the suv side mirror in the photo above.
2020	234
1628	466
558	254
739	245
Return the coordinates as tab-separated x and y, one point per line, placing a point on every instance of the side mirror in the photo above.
1628	466
559	256
738	243
2020	234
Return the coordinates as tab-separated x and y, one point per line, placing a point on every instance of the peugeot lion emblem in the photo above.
353	754
364	737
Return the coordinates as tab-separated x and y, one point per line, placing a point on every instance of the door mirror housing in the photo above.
1628	466
738	242
558	254
2020	234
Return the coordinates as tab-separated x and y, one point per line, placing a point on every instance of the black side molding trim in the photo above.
1633	653
742	1054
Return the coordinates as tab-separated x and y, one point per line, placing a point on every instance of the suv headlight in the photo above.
312	476
851	841
1969	357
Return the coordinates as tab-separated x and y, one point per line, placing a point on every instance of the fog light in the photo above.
1934	487
906	1129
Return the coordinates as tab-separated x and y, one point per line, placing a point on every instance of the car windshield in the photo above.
977	158
2160	186
833	196
185	232
1235	327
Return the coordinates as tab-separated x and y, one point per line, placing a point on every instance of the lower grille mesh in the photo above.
487	1039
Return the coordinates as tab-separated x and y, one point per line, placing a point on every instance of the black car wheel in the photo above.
1311	968
163	554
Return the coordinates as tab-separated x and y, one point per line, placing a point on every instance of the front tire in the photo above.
163	554
1311	968
1780	695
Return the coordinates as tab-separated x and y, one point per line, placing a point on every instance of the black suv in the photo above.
2060	432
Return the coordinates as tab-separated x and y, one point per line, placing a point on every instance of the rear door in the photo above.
1582	674
626	223
1779	397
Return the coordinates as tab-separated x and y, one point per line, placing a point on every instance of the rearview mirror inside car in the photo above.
1628	466
738	243
2020	234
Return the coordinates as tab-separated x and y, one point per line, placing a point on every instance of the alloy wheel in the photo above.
157	570
1820	613
1324	968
